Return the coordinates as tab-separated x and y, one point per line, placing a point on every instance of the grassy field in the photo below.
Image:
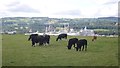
17	51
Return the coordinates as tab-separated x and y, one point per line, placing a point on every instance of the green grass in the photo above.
17	51
101	30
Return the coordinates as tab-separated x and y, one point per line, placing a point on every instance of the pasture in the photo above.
17	51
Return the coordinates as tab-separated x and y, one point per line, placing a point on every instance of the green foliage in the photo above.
38	23
17	51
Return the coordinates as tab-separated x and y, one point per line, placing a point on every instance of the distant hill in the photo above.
24	24
107	17
110	18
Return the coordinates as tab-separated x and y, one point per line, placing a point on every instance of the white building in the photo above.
86	32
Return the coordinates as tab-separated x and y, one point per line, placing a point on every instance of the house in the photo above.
86	32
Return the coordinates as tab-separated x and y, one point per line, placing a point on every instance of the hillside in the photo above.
24	24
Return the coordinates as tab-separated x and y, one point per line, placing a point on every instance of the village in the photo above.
56	26
65	29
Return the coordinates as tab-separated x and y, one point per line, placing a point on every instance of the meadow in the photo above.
17	51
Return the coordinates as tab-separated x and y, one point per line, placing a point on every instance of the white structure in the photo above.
11	32
72	32
86	32
30	31
50	29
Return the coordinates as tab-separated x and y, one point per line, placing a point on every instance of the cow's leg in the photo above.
74	45
80	48
33	44
60	39
47	42
65	37
92	39
40	43
83	47
57	39
76	48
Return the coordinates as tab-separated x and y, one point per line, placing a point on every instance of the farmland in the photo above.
17	51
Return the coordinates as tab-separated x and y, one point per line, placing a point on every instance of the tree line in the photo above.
37	23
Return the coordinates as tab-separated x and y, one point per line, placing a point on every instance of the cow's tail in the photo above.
86	45
66	37
29	39
57	39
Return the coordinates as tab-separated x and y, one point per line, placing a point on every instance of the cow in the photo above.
81	43
71	42
46	39
94	38
61	36
33	38
42	39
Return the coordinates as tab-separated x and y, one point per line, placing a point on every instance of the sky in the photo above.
59	8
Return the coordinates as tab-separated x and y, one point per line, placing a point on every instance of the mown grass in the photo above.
17	51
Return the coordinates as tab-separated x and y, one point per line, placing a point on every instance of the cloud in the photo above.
18	7
107	11
111	2
13	4
23	8
69	12
119	9
60	8
108	8
2	14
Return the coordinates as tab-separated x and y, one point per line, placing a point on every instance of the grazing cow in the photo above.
81	43
46	39
71	42
35	38
61	36
94	38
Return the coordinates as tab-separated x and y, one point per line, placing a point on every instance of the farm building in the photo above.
86	32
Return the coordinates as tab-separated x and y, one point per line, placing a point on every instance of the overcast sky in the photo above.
59	8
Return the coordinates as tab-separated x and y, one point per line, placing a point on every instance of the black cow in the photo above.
71	42
33	38
81	43
61	36
42	39
46	39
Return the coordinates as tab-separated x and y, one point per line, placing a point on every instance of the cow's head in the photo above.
69	47
29	38
32	36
